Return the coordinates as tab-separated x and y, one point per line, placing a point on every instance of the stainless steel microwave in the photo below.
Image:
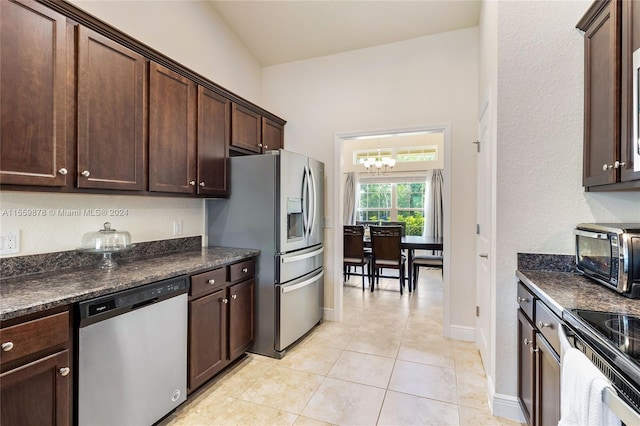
610	254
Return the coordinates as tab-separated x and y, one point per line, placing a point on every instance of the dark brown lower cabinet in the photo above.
241	308
221	320
538	362
37	393
526	367
547	383
207	337
35	369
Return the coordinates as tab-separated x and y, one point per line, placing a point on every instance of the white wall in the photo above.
428	80
539	152
190	32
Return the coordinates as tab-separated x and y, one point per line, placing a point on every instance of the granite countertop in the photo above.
33	293
567	290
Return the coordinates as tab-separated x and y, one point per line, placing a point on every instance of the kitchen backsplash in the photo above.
11	267
546	262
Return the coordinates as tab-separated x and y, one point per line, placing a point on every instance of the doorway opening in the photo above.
377	144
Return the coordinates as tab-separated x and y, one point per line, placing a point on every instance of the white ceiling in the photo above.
276	32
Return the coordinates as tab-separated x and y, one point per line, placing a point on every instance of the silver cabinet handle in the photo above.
533	350
527	342
202	183
618	164
225	300
64	371
606	167
6	347
63	171
542	325
192	182
522	300
484	255
260	145
86	173
234	296
266	147
211	281
245	270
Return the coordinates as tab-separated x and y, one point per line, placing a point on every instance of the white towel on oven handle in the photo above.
581	389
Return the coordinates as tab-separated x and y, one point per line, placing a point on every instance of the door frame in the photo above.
338	189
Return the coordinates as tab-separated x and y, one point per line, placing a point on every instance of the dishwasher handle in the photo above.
143	304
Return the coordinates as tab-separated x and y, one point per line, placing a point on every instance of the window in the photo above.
395	202
401	155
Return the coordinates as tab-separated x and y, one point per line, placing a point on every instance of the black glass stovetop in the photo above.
622	331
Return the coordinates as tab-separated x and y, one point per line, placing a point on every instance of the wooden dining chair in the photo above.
401	224
386	244
435	262
354	253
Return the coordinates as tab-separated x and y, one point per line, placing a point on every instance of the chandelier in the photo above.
379	165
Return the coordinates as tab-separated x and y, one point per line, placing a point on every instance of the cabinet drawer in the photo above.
207	282
525	301
548	324
34	336
241	271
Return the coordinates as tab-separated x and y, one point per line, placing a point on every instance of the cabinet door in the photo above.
241	315
272	135
207	337
526	368
32	83
37	393
630	146
246	130
602	95
214	117
172	131
111	114
548	384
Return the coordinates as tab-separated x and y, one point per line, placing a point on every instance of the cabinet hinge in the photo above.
478	228
477	311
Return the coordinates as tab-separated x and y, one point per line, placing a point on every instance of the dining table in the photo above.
411	243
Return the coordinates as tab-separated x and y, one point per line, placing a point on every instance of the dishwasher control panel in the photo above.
127	300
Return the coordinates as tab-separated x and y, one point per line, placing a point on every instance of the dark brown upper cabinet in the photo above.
630	23
609	41
214	129
272	135
33	86
246	130
111	114
172	131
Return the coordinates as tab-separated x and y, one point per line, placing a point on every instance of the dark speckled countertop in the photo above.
33	293
567	290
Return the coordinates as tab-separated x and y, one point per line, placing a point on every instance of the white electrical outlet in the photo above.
328	223
9	242
177	227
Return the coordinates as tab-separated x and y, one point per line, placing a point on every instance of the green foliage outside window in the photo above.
376	204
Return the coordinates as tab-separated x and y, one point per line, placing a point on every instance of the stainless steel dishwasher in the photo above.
132	354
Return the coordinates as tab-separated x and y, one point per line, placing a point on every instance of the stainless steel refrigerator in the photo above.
276	206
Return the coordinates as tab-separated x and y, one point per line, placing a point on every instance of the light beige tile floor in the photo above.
386	363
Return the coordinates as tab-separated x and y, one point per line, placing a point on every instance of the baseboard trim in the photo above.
328	314
466	334
506	406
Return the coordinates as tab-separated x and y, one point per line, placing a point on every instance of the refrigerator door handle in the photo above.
302	256
314	196
286	289
306	194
